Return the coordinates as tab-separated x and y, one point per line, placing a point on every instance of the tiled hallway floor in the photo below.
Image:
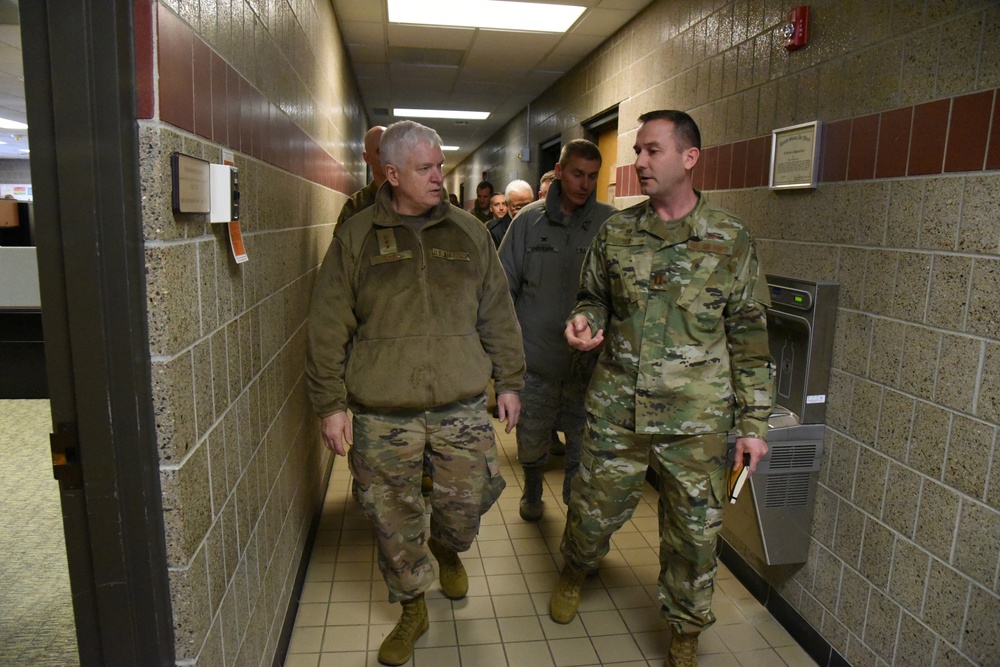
343	613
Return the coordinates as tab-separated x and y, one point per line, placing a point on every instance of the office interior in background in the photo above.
199	519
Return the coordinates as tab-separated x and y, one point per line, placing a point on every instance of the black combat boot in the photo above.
531	497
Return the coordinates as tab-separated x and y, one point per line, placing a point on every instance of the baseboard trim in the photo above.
811	641
300	576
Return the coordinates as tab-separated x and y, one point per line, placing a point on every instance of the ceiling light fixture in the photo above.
12	125
441	113
489	14
449	148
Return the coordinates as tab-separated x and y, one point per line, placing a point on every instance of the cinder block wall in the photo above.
241	461
904	565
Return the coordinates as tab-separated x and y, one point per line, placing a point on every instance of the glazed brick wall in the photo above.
958	134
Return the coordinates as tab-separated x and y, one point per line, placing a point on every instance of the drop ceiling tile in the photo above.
631	5
487	75
430	37
405	74
367	53
360	10
603	22
510	50
475	93
539	80
365	71
359	32
578	45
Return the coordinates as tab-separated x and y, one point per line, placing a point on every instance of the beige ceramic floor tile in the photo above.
616	648
533	654
478	631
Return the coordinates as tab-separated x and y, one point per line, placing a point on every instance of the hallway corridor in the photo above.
503	622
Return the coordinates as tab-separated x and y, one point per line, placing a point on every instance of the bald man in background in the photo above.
365	197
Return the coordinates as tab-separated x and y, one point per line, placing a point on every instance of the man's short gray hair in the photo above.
514	186
400	138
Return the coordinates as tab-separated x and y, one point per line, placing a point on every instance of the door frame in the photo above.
80	83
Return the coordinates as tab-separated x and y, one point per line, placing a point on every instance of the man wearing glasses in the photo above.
517	195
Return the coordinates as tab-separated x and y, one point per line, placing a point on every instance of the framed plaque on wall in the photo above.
795	156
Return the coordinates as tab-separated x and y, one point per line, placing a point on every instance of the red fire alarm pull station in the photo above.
797	28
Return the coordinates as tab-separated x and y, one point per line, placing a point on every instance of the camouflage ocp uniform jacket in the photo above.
682	303
358	202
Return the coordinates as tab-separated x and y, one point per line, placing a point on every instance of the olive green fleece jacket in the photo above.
410	319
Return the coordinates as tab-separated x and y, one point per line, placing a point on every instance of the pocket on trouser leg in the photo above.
363	475
495	483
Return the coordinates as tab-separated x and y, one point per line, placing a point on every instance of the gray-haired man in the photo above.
410	319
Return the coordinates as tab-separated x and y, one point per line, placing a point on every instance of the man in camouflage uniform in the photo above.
481	207
410	318
676	285
365	197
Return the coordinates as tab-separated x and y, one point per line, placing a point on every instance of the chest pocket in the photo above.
706	294
629	266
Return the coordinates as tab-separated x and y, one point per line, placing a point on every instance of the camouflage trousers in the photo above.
692	486
546	404
387	460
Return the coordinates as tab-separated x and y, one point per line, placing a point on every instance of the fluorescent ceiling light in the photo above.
12	125
449	148
489	14
441	113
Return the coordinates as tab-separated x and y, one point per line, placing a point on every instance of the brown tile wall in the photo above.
241	462
904	564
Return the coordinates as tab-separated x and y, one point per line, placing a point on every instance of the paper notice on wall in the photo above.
236	242
18	192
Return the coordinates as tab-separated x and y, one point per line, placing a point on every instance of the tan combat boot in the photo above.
451	572
683	651
397	648
566	595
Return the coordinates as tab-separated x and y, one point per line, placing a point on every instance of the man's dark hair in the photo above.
686	131
582	148
485	185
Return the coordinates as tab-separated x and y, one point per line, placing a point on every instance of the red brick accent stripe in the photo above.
202	94
142	24
944	136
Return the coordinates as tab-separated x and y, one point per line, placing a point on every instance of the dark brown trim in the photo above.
80	84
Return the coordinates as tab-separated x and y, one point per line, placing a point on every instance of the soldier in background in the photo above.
541	255
365	197
544	182
673	290
516	196
498	206
481	207
410	318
